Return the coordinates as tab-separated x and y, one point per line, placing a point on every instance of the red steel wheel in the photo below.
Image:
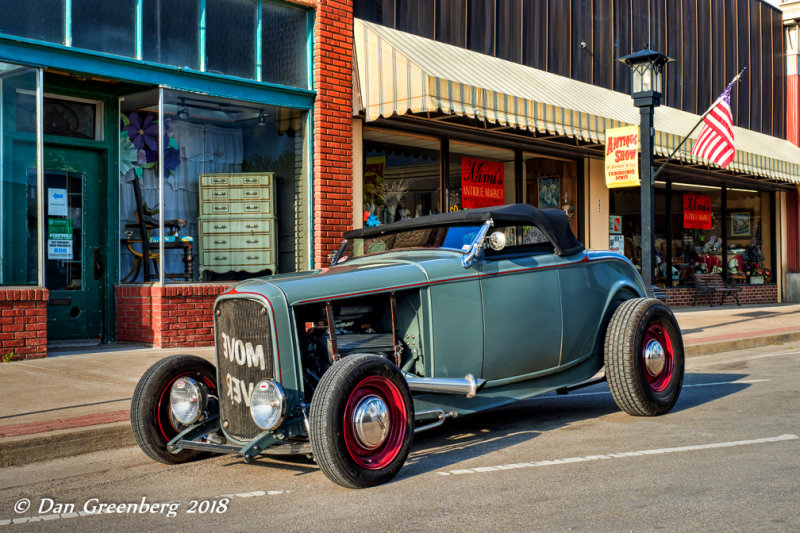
361	421
375	423
151	416
657	357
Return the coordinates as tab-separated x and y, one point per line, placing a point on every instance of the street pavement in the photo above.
77	400
725	458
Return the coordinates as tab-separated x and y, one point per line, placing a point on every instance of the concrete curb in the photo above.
729	345
25	449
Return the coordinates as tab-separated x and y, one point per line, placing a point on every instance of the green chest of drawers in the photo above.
237	223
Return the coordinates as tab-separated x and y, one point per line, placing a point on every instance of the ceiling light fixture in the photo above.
262	118
183	112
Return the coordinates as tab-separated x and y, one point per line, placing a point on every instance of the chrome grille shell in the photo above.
245	356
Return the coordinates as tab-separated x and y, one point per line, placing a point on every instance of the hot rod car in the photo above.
415	322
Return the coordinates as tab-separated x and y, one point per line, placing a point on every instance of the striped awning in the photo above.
400	73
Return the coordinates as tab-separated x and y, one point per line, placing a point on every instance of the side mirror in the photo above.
497	241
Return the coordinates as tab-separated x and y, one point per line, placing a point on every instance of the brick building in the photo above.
154	153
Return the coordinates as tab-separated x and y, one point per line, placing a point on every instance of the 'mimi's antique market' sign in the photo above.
482	183
622	163
696	211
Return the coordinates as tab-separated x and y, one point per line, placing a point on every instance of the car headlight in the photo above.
188	400
267	404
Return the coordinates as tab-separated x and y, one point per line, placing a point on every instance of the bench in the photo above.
706	285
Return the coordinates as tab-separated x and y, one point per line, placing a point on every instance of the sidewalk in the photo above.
77	401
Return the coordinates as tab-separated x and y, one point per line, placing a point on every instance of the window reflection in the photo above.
401	176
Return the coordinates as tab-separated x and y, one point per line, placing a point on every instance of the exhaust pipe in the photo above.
468	385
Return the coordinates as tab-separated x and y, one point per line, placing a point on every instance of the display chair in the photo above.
147	249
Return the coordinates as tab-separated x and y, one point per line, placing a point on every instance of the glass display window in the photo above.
401	176
712	231
749	245
552	183
230	186
20	242
480	176
697	231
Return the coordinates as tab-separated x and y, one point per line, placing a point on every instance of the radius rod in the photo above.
567	390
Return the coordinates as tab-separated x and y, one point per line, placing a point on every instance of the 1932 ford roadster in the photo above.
415	322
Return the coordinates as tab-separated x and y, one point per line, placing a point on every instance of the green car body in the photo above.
470	323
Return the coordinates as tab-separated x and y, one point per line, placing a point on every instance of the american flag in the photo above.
715	142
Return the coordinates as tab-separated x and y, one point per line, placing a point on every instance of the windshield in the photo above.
450	237
455	237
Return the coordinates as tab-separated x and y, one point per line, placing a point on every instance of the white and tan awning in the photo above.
400	73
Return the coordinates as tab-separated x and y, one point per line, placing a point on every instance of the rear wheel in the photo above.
151	417
362	421
644	357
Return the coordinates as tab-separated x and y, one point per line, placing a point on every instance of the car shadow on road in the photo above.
472	436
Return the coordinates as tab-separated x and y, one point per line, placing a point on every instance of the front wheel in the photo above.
151	416
644	357
362	421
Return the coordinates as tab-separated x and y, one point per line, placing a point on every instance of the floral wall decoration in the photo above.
138	147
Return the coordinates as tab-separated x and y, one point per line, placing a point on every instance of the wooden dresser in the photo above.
237	223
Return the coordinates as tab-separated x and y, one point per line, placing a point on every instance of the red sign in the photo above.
482	183
696	211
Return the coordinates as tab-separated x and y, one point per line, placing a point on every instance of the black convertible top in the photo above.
552	222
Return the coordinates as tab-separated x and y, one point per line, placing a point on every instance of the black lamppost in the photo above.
647	69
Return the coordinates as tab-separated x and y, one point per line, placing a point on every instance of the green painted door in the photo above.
73	239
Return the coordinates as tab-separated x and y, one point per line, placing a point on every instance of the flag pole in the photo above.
675	151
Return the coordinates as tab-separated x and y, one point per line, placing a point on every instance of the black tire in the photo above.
336	447
639	388
150	410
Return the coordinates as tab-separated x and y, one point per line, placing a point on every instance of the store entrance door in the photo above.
73	241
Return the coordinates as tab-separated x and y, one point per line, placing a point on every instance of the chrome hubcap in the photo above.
654	358
371	422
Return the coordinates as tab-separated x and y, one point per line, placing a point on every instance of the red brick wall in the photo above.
23	322
167	317
333	117
750	294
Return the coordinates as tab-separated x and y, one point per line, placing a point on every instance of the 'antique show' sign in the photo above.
696	211
622	163
482	183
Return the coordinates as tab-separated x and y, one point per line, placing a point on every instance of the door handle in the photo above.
98	265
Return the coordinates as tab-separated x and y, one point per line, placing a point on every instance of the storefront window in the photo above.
235	187
737	246
697	231
749	241
552	183
401	176
480	176
19	238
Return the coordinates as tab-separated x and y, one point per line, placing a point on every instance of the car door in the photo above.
522	312
585	289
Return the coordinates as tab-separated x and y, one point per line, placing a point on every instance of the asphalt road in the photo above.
726	458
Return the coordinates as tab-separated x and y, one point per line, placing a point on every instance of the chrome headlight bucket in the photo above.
268	404
188	400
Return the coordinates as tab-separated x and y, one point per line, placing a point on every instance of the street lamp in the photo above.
647	77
